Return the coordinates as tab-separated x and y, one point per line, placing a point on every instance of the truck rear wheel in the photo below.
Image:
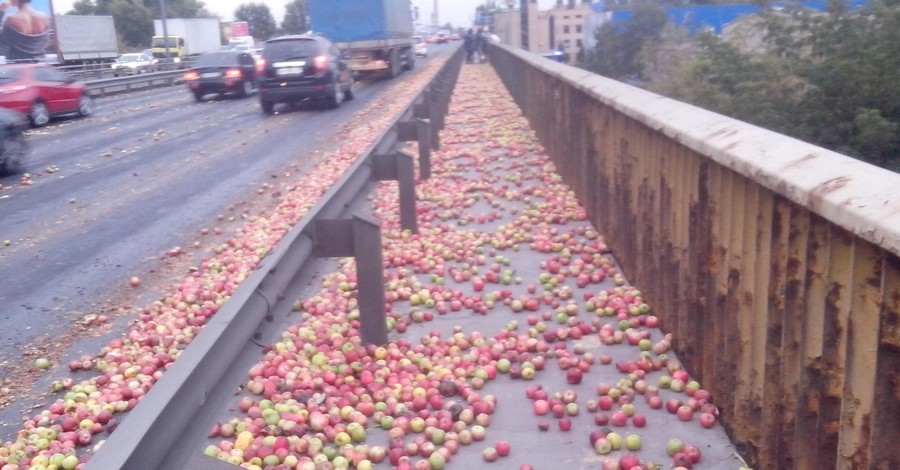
410	62
395	63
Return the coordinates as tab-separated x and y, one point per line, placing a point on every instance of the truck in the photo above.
183	38
375	35
85	39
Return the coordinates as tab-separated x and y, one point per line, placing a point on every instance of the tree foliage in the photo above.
826	78
617	53
259	17
295	18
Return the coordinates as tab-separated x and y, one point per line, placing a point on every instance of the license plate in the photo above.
290	71
210	74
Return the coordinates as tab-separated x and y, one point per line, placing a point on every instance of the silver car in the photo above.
421	46
133	64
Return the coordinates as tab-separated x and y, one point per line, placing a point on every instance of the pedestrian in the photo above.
485	41
469	44
479	46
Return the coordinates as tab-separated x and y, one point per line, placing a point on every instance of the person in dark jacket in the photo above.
469	44
479	46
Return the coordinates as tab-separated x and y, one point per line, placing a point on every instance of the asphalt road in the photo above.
115	195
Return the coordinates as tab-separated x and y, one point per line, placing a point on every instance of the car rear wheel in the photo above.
350	92
85	105
198	97
335	100
267	106
39	115
246	89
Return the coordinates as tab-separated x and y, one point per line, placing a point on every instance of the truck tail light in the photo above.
233	73
188	76
320	64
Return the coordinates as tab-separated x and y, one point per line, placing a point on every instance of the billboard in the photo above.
235	29
25	30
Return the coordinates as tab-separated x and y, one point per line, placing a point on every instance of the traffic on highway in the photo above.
144	184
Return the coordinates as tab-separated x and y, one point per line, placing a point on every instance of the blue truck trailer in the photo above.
376	35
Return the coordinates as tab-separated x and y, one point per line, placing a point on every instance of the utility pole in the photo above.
523	6
435	19
162	16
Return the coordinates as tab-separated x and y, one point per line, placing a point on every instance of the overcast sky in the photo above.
457	12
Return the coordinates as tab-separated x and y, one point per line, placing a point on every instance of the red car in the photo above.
42	92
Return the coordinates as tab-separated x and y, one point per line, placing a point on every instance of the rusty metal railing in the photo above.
773	262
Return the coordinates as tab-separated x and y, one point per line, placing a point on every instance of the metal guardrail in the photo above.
149	436
774	263
108	86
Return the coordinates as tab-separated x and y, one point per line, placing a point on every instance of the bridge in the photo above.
769	264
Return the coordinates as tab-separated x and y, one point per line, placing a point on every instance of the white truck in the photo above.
185	37
85	39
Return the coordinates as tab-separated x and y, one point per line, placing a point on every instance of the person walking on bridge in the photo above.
479	46
469	44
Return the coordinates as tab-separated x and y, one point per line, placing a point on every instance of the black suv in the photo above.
231	72
303	67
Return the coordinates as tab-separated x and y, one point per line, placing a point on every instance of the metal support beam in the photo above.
359	237
418	130
399	167
434	117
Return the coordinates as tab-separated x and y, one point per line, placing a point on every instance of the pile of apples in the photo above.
319	398
63	435
499	236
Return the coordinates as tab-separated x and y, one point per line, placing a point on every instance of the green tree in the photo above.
827	78
134	22
758	90
259	17
617	52
179	8
90	7
295	18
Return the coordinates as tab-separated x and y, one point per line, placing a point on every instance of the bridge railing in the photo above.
773	262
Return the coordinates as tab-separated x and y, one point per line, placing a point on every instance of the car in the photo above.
421	46
12	140
42	92
133	64
222	72
297	68
443	37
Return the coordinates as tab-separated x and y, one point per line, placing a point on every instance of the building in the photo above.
559	28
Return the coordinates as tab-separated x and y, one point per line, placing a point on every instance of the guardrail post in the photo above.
423	111
435	117
399	167
359	237
419	131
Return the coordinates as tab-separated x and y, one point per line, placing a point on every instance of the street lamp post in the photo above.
162	15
